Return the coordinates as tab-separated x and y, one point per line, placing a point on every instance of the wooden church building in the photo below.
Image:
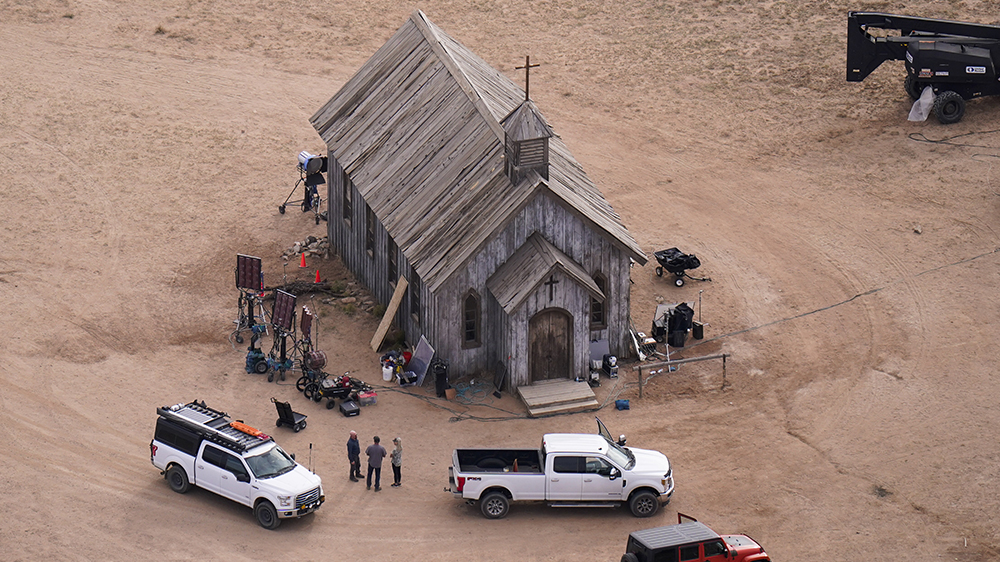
442	172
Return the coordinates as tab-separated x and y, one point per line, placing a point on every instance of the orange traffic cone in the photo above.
317	276
303	262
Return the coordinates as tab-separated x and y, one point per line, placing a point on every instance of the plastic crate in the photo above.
367	398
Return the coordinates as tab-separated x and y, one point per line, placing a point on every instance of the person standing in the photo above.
396	457
375	454
354	456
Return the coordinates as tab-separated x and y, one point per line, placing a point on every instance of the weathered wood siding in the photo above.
507	337
349	238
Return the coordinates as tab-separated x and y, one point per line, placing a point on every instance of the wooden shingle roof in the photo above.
417	129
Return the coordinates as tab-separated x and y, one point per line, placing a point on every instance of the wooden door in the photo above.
550	336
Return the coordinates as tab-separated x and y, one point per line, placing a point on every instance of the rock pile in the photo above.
311	247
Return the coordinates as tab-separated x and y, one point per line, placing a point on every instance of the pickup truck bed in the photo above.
499	460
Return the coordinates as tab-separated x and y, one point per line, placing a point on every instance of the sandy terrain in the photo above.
855	276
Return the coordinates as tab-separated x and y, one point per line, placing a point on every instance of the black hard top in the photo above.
674	535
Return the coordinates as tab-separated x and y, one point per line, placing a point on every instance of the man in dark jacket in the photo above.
375	454
354	455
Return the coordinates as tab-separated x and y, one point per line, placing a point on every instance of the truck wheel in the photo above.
949	107
495	505
629	557
178	479
266	515
912	87
643	504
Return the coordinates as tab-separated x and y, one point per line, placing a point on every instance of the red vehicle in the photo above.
690	541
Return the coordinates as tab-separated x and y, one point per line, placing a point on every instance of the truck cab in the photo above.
197	445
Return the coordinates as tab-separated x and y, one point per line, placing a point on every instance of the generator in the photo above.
953	58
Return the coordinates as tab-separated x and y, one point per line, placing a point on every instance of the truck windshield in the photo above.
620	455
274	462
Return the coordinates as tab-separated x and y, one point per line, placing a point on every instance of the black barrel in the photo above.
439	368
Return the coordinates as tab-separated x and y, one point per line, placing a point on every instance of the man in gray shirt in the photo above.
375	454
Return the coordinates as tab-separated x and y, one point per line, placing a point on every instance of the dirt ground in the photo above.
854	278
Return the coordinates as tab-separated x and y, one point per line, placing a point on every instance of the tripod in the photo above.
250	308
311	199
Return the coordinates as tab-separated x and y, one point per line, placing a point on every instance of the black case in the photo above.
349	408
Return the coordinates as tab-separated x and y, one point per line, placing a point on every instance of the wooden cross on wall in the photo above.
527	76
552	286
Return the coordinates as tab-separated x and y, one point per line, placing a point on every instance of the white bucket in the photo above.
386	373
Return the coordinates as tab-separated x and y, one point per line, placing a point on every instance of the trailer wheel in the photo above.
309	390
949	107
643	504
495	505
261	367
659	271
330	403
178	479
679	281
912	87
300	384
266	515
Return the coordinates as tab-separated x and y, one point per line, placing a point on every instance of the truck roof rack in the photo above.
212	425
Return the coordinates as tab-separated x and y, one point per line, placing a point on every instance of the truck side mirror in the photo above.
614	474
242	477
621	440
293	456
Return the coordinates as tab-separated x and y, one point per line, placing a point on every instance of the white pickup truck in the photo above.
569	470
196	445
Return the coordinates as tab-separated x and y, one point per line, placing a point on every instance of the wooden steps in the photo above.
557	396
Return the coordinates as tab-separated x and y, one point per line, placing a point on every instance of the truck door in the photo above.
714	551
235	480
565	480
208	468
597	482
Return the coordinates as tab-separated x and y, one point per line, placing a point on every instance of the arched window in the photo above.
471	318
598	309
415	289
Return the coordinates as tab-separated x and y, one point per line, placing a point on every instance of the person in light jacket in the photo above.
397	462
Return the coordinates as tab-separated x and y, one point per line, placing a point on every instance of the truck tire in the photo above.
949	107
178	479
644	504
266	515
629	557
494	505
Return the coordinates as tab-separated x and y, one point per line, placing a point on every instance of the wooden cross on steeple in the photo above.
527	73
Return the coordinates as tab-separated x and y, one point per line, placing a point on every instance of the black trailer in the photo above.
956	59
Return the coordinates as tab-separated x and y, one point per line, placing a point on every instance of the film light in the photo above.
249	274
306	323
283	314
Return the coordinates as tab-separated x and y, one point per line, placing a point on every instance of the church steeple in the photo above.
526	137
